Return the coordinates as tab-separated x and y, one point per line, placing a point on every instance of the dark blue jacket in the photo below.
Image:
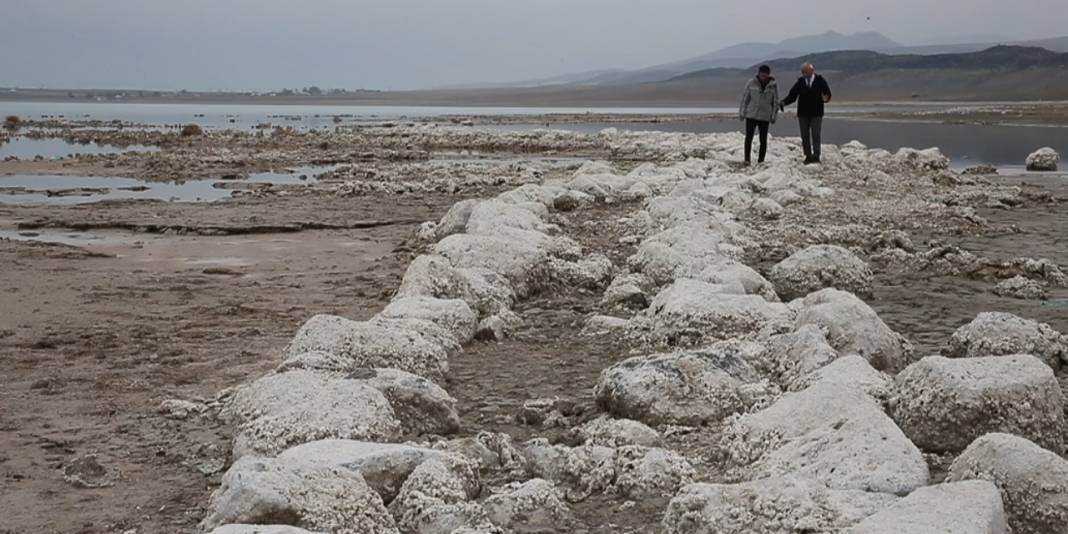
809	99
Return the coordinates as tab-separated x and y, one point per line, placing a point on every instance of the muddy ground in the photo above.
180	301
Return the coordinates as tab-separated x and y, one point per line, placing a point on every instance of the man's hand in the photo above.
826	98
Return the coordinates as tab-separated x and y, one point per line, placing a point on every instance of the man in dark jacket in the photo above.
810	92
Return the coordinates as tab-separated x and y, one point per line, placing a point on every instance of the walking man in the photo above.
759	109
810	92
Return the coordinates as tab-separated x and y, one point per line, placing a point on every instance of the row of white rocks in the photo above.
312	451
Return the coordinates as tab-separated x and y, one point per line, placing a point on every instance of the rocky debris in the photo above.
532	506
592	272
1033	481
929	159
498	326
421	406
434	276
734	274
819	267
572	200
307	495
774	506
972	506
1021	287
180	409
632	471
286	409
682	252
980	170
379	343
86	471
609	432
1043	159
767	208
848	371
792	356
687	387
538	411
852	327
1001	334
628	291
690	311
831	433
944	404
453	315
435	497
260	529
492	452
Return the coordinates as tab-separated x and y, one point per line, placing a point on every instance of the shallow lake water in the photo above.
24	148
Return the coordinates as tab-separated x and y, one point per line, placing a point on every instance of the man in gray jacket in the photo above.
759	109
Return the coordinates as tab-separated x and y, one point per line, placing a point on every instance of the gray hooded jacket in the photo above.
760	103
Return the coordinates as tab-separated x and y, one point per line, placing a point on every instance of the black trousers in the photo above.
811	127
751	126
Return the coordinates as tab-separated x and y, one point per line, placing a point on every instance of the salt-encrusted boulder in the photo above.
286	409
852	327
767	208
682	252
528	194
786	197
498	326
609	432
1033	481
592	272
734	273
532	506
972	507
311	496
774	506
1021	287
455	220
687	387
628	290
691	310
848	371
519	258
1043	159
384	466
835	434
819	267
929	159
434	497
434	276
793	356
632	471
421	406
260	529
998	334
453	315
489	217
943	404
572	200
382	343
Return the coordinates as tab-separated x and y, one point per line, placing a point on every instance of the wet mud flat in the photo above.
181	302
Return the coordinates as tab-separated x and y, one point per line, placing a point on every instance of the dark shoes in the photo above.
812	160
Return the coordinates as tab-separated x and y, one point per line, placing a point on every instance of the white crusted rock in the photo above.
455	220
1033	481
972	507
733	273
792	356
286	409
770	506
434	276
818	267
535	505
421	406
376	344
260	529
572	200
688	387
519	257
453	315
943	404
432	498
647	473
767	208
682	252
849	371
498	326
835	434
1021	287
490	217
315	497
852	327
998	334
592	272
928	159
609	432
1043	159
628	290
690	310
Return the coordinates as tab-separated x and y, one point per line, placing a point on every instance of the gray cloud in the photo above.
269	44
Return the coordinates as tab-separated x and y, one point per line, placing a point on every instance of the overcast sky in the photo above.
396	44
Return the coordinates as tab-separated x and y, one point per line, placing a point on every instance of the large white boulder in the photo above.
793	356
285	409
734	273
972	507
434	276
632	471
455	220
819	267
610	432
434	498
832	433
519	257
1033	481
999	334
315	497
421	406
489	217
532	506
848	371
852	327
682	251
1043	159
943	404
691	310
453	315
687	387
785	505
376	344
260	529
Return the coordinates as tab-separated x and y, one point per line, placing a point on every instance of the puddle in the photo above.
25	148
72	238
69	190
